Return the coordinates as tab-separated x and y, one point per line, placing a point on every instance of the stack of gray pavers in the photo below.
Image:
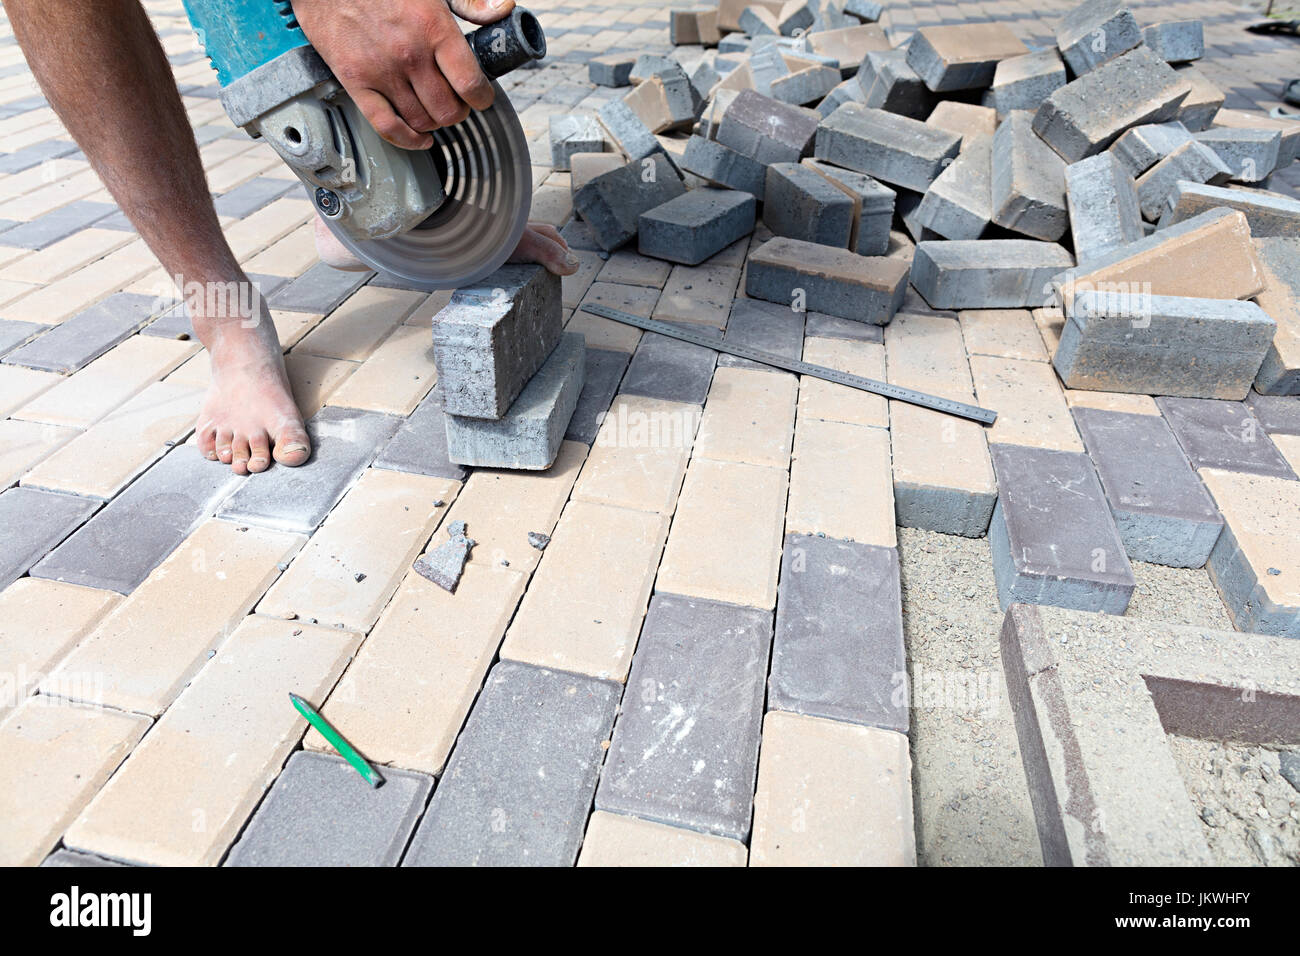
508	373
957	158
1098	179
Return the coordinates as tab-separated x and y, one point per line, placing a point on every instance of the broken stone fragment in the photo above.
539	540
445	564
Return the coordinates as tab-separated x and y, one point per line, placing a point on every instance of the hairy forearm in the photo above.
103	70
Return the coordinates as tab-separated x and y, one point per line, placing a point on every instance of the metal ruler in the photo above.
946	405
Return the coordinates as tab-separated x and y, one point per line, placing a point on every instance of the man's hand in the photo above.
404	62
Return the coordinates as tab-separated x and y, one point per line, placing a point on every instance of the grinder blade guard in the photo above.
435	219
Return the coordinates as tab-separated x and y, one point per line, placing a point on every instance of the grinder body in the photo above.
436	218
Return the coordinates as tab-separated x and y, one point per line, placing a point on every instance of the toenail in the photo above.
296	446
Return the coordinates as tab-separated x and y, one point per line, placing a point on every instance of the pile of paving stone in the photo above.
1100	176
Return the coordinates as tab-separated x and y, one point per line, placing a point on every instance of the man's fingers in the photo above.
379	111
459	65
444	106
481	11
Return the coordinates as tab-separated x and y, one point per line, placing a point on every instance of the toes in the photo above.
207	441
293	447
239	455
549	231
224	437
259	447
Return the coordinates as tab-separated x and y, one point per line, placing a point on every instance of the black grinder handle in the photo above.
508	43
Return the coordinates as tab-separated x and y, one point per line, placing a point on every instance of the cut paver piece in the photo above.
519	784
1223	435
1254	119
839	633
1075	560
823	279
696	225
491	338
1251	154
1023	82
1028	181
1095	32
1087	114
35	522
611	203
888	83
686	748
616	840
1103	206
987	273
1269	215
894	149
320	812
1142	147
1163	512
873	207
801	204
529	435
1253	564
961	56
344	441
156	513
1176	41
1210	256
1162	345
1096	700
767	130
574	133
831	793
958	204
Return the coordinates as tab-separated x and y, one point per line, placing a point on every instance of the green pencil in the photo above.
359	764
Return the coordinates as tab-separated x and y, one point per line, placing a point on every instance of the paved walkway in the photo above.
707	663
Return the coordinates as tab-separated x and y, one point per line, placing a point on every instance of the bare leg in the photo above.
104	72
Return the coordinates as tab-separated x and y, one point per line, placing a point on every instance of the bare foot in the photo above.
249	416
540	243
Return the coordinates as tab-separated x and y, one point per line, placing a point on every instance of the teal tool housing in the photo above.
241	35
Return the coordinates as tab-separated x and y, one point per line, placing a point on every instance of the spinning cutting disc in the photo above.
489	183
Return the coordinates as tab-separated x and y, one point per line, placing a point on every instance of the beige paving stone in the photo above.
430	306
613	839
1289	446
290	257
725	542
699	294
575	286
290	327
631	268
819	398
48	198
40	621
933	451
500	507
748	417
66	255
1028	399
99	462
56	755
86	396
143	654
1111	401
352	565
182	796
20	385
1007	333
354	330
584	608
604	334
841	484
398	374
268	225
63	298
1050	322
23	445
1263	513
831	794
314	379
430	651
640	453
